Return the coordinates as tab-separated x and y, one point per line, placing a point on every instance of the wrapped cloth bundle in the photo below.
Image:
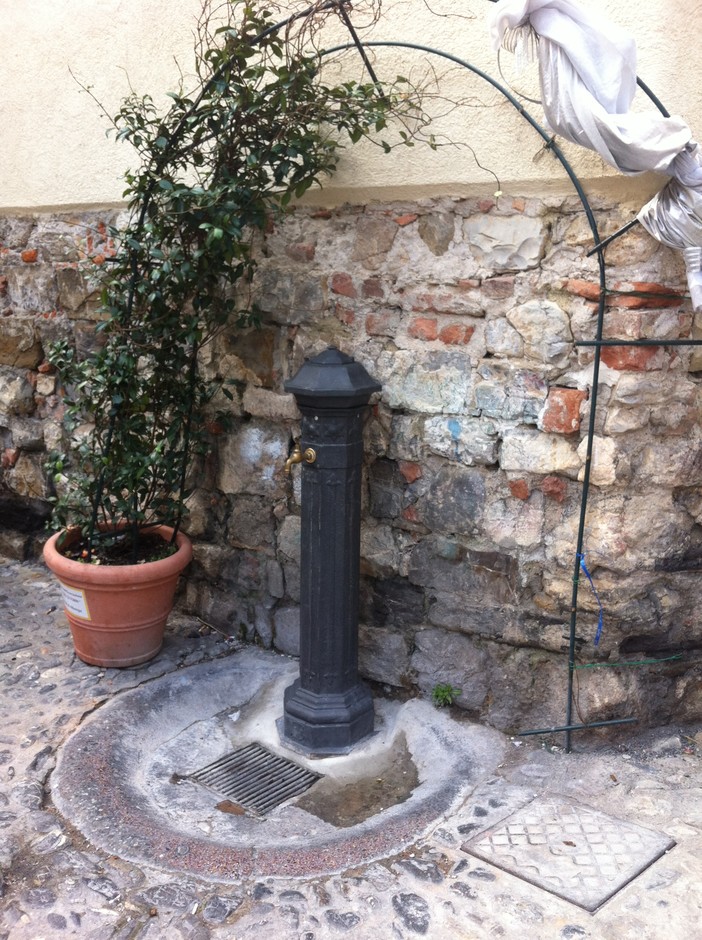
587	69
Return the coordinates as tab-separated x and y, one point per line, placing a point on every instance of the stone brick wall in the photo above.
44	296
467	311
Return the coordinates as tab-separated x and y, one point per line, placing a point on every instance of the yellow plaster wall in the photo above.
54	151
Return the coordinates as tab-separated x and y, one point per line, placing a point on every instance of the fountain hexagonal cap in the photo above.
332	380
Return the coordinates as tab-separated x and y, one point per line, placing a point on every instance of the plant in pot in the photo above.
215	168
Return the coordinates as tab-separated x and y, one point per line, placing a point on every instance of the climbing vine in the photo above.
214	171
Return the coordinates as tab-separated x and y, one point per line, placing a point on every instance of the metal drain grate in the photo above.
255	778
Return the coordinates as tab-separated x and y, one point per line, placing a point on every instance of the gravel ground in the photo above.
55	883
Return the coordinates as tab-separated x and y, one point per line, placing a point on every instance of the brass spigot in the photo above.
297	456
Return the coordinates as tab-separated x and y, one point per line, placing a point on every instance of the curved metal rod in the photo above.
513	100
597	343
644	87
553	146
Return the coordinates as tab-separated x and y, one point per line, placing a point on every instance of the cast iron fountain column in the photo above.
328	710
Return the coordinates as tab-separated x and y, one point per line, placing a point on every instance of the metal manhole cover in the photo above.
255	778
575	852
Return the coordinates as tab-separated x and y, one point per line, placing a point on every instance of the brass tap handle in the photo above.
309	456
295	457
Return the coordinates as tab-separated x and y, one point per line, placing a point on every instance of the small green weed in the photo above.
444	694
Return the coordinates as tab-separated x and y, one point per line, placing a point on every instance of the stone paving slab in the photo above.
57	883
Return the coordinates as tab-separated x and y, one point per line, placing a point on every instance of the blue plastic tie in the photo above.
600	619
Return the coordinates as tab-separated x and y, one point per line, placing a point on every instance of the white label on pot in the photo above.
75	603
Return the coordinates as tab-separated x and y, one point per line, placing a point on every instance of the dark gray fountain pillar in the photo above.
328	710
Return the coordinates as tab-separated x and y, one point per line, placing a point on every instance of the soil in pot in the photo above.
117	549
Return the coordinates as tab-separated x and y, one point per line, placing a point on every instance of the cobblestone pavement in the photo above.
55	884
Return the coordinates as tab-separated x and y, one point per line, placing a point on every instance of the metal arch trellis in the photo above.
598	343
341	6
553	146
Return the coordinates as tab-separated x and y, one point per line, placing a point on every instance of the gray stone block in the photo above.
383	655
286	626
442	657
454	502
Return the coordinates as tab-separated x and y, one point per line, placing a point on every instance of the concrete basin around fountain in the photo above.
123	777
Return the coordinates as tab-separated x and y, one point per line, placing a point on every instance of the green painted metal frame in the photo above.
598	342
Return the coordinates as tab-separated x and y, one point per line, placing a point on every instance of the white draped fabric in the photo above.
587	68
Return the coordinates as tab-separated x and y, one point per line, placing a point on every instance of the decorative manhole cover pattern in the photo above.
575	852
255	778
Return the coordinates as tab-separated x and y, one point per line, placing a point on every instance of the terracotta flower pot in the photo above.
118	613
